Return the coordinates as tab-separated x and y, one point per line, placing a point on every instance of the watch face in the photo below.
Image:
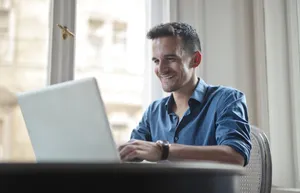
165	142
162	142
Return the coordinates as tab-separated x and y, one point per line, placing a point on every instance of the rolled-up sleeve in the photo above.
142	130
232	126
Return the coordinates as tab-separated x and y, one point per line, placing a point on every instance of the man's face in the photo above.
172	64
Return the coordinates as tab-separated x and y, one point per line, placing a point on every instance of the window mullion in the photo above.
61	52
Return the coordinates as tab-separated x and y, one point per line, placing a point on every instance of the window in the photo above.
24	36
114	57
102	38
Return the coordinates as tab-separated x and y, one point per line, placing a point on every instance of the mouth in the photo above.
166	77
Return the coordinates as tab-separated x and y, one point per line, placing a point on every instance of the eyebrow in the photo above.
166	56
170	55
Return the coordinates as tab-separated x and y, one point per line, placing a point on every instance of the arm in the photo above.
224	154
232	135
142	131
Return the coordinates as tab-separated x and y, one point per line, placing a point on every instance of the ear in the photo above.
197	57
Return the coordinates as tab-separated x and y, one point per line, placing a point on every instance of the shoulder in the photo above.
228	94
225	93
225	96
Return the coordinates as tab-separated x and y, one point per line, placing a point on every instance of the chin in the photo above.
169	89
166	89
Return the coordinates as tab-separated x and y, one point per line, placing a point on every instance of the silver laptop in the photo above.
67	122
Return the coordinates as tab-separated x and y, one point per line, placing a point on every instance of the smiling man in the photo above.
197	121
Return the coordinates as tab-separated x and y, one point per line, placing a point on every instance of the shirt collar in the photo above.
198	95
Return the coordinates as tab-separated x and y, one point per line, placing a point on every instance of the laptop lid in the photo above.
67	122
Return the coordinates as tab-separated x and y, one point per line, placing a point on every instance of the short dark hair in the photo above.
186	32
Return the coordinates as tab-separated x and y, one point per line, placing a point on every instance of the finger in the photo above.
127	150
121	147
136	142
136	155
132	155
132	141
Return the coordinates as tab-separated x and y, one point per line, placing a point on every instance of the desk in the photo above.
177	177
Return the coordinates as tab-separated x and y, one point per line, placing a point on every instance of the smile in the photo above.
167	77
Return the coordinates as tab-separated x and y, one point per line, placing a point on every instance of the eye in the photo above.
155	61
171	59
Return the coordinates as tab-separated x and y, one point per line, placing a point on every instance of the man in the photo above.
197	121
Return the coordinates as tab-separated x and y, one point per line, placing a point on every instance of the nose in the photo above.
162	67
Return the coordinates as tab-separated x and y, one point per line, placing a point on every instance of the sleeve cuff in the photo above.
241	148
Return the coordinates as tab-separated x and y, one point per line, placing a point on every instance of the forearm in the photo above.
224	154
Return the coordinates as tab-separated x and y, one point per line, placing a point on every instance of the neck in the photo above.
182	96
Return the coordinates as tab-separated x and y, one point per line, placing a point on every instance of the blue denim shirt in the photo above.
217	115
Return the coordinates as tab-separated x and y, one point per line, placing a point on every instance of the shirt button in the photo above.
176	139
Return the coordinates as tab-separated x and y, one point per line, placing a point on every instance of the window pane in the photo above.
23	66
110	44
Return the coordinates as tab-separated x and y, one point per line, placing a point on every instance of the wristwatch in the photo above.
165	146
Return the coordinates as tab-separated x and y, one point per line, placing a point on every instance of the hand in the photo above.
138	149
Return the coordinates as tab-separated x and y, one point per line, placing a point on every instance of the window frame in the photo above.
61	53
